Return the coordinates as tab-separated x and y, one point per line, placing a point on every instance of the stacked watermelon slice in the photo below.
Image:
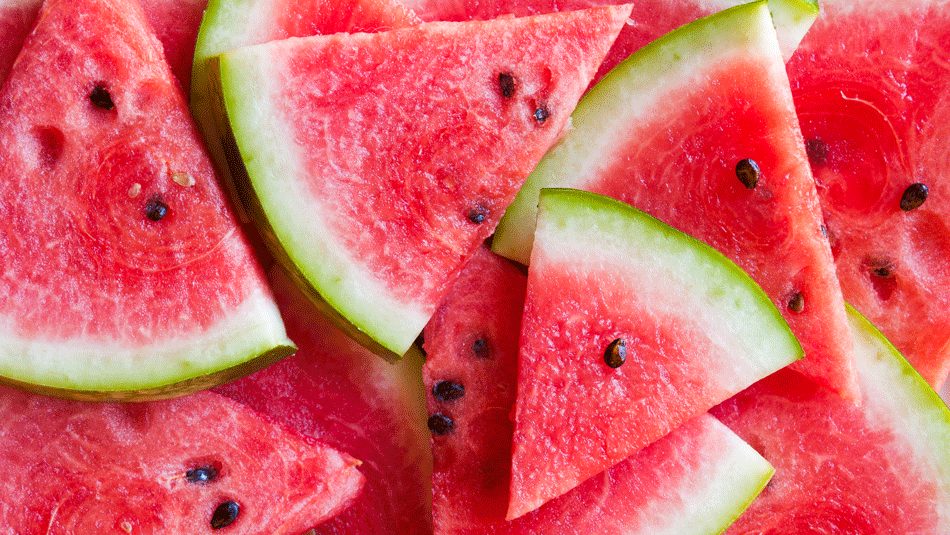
674	353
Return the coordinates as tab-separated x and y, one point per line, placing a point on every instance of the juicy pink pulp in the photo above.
874	105
73	467
836	472
337	392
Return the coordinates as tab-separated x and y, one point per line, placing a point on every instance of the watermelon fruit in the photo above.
726	165
162	467
630	329
696	480
650	18
882	467
336	392
16	21
128	277
874	106
380	162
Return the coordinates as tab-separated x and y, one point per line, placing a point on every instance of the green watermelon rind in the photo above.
792	20
562	204
904	402
744	27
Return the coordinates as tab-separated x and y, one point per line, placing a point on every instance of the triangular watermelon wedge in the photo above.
126	275
696	480
630	329
379	162
682	163
191	465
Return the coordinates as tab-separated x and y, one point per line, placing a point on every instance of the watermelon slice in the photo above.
874	105
68	467
696	480
650	18
127	276
336	392
16	21
630	329
685	165
380	162
883	467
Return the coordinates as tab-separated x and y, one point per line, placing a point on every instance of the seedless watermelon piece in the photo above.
380	162
630	329
336	392
182	466
127	276
682	164
650	18
841	468
874	105
696	480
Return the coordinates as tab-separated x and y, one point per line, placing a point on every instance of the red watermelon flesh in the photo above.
400	158
471	376
338	393
874	105
104	295
879	468
71	467
16	21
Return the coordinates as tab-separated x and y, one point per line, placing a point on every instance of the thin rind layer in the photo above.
699	330
898	398
390	302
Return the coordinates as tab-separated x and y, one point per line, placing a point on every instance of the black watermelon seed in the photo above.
202	474
477	215
824	231
480	348
884	270
101	98
616	353
541	114
796	303
225	514
914	196
748	173
441	424
448	391
817	151
155	209
506	84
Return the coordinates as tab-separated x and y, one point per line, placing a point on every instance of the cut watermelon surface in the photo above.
630	329
881	468
16	21
126	275
71	467
696	480
380	162
336	392
649	20
682	164
874	105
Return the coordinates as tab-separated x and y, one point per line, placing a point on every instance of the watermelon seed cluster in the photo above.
225	514
748	172
100	97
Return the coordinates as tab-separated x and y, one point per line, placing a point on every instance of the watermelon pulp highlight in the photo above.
128	277
400	158
841	468
70	467
336	392
696	328
874	105
679	163
696	480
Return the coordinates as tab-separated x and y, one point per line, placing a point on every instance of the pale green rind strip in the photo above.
629	94
900	400
676	273
89	366
716	493
274	164
792	20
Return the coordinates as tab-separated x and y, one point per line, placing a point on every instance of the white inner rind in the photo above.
87	363
631	94
898	399
712	496
250	78
678	276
